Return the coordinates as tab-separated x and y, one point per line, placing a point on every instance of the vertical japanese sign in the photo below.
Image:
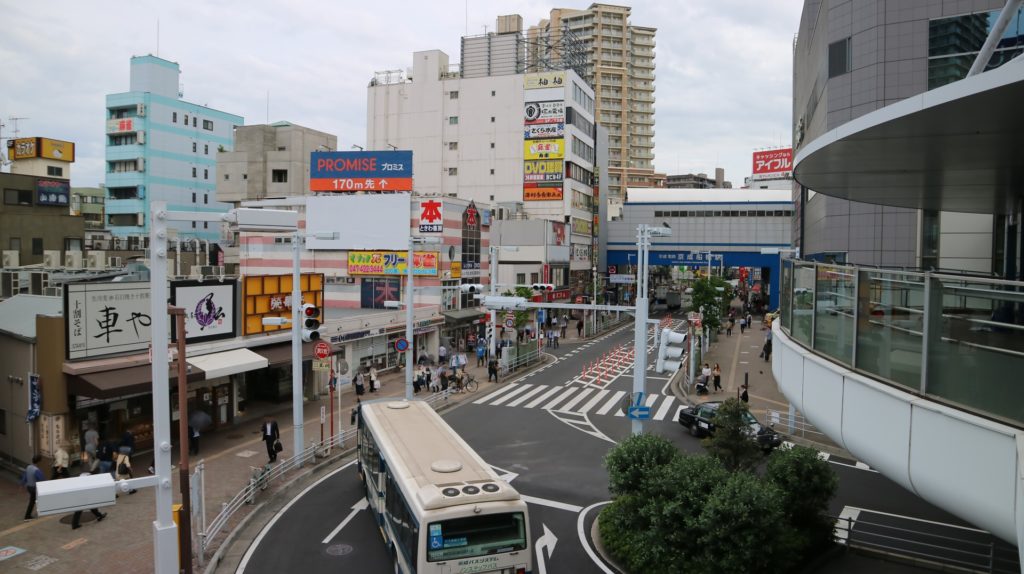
543	150
106	318
35	397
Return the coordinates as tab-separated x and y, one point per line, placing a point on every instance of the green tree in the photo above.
807	484
632	461
713	295
732	442
741	527
522	317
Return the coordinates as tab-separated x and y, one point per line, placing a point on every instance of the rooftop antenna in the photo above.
158	37
16	120
467	17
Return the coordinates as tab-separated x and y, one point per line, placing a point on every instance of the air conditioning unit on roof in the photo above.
51	259
73	260
11	258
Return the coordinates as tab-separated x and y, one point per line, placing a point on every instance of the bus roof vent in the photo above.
398	405
445	465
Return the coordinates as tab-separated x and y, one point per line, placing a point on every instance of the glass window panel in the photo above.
833	313
803	302
889	323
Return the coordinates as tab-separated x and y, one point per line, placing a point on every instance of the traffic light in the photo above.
543	287
670	350
471	288
310	317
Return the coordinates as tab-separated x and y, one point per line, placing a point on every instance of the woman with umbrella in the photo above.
197	421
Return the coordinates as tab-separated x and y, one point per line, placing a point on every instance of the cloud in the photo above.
723	67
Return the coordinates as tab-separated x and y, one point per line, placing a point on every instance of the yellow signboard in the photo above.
271	296
391	263
543	149
456	270
27	148
542	194
544	80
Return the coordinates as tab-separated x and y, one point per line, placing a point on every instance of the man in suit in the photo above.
270	435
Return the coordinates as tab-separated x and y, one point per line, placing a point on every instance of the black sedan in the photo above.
700	419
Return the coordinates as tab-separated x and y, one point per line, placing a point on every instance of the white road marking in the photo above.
363	504
613	402
259	537
494	394
551	404
536	390
550	503
583	539
845	523
576	400
543	397
665	406
593	401
508	396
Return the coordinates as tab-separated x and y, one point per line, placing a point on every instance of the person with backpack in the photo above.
123	470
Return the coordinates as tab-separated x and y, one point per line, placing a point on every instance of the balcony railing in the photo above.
954	339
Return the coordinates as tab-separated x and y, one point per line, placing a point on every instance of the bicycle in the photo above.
258	480
468	384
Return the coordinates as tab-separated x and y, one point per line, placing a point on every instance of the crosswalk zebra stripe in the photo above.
508	396
612	402
559	399
650	400
543	397
576	400
494	394
590	404
526	397
665	406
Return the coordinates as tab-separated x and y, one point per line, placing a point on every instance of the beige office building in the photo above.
619	64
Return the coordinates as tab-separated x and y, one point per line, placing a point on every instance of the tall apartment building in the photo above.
162	148
852	58
523	142
619	64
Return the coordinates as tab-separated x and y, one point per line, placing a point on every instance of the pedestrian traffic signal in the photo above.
471	288
670	351
543	287
310	322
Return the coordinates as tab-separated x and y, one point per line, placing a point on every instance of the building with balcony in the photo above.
36	223
160	147
618	61
907	126
698	181
89	202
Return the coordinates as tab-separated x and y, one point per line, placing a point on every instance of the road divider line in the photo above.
576	400
550	503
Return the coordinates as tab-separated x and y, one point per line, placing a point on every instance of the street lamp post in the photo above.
165	532
593	271
493	272
643	242
409	310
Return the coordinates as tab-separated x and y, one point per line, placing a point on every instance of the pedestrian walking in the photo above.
766	351
356	411
728	327
750	320
492	369
554	336
127	444
92	441
360	383
442	354
29	478
271	436
76	518
705	373
123	470
716	373
579	328
60	463
565	324
193	440
744	396
374	381
105	455
743	324
481	354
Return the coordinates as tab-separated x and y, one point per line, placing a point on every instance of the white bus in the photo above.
439	506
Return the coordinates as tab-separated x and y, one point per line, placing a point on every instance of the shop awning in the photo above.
281	354
461	315
121	382
228	363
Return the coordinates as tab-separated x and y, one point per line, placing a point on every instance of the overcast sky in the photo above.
723	67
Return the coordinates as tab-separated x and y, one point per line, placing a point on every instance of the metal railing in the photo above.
795	426
952	338
985	554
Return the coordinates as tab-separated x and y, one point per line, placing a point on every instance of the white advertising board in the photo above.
209	309
106	318
379	222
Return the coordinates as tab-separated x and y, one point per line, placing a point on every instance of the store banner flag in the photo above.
35	398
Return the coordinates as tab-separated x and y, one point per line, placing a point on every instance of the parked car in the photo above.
700	419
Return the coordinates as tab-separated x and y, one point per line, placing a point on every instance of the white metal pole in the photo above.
165	532
594	271
408	319
640	326
494	291
297	342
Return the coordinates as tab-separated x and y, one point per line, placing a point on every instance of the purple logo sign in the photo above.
207	312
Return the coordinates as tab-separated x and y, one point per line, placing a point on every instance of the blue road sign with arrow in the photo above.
637	410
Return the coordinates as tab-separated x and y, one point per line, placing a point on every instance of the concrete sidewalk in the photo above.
125	539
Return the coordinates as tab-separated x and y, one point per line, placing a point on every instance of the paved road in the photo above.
548	434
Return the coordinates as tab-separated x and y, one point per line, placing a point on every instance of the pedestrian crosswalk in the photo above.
578	400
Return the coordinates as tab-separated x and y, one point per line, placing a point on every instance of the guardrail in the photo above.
795	425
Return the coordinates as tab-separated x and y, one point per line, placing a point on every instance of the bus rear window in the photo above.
478	535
